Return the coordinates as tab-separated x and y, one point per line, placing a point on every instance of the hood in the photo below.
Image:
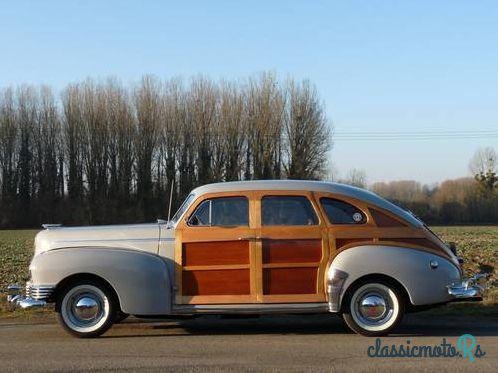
142	237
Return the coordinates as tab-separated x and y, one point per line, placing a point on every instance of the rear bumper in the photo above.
468	289
30	296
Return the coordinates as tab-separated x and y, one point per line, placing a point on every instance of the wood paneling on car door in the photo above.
280	281
214	263
292	251
216	282
215	253
294	257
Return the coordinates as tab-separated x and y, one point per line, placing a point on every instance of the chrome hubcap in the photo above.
86	308
372	306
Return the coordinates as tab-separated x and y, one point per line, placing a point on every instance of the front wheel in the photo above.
87	309
374	308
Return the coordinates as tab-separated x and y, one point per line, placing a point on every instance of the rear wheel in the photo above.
87	308
374	308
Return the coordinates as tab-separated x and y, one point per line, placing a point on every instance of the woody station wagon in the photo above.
253	247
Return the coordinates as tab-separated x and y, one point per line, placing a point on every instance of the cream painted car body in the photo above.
143	262
136	260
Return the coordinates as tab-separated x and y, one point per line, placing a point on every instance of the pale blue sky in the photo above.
399	66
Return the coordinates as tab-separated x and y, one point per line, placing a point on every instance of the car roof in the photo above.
308	185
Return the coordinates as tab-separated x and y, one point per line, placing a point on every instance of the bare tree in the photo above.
307	133
122	130
27	115
232	130
265	107
48	175
173	118
73	143
356	177
483	161
147	108
202	103
8	156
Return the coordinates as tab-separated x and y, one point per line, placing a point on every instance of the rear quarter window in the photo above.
340	212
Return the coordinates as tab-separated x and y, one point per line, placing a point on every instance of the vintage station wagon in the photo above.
252	247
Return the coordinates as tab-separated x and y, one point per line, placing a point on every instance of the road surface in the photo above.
284	343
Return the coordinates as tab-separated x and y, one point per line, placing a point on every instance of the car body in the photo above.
250	247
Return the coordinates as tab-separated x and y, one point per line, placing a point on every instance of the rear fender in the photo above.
410	267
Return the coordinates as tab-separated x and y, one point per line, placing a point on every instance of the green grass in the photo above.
477	245
16	251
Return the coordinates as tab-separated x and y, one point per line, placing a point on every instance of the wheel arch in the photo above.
375	277
79	277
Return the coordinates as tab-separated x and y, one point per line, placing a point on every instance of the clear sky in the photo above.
380	66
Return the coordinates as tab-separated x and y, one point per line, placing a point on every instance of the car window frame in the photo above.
210	199
366	216
307	197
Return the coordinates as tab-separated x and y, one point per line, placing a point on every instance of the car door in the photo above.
214	251
294	248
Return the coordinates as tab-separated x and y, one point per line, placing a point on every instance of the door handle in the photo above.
249	238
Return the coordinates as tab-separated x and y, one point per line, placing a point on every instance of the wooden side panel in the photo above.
292	251
383	220
341	242
289	280
414	241
216	282
215	253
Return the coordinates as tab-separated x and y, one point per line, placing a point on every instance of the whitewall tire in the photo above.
87	308
373	308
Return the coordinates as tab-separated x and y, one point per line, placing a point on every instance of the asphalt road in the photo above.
290	343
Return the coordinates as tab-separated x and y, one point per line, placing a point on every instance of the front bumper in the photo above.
33	296
468	289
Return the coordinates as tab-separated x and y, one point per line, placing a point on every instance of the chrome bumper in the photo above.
471	288
34	296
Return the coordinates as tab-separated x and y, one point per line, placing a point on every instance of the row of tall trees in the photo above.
471	200
103	152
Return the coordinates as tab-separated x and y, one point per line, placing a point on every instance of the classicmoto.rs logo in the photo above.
466	347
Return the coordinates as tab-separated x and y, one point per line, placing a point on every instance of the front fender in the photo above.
141	280
410	267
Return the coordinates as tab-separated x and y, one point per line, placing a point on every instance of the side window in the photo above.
340	212
226	211
287	210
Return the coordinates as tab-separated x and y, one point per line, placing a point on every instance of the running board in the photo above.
251	308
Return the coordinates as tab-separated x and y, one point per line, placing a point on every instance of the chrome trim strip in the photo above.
49	226
39	292
251	308
36	296
335	283
156	239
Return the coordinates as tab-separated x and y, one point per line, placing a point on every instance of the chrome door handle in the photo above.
249	238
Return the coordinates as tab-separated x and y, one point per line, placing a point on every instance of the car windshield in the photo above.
182	208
